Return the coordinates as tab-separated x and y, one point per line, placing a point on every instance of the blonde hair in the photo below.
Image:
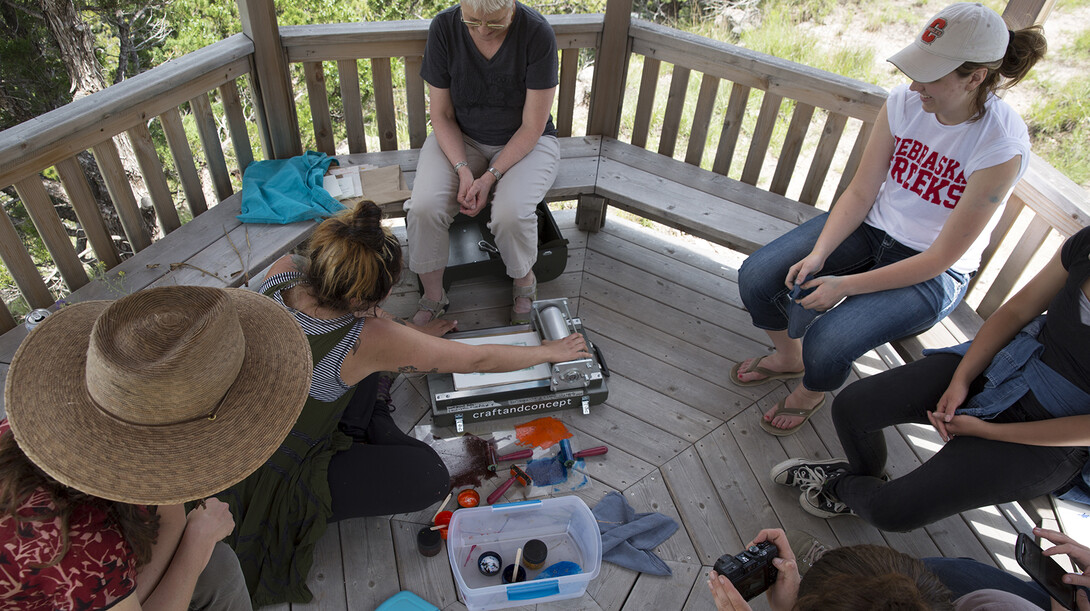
353	261
485	7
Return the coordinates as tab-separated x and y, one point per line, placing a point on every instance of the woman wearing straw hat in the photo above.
319	474
895	253
118	413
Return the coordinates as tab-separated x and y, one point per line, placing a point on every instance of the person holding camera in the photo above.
859	577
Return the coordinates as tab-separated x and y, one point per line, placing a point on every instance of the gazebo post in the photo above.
278	123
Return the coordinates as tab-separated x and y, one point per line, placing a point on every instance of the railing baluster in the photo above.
414	99
384	103
1015	264
565	106
823	157
732	127
152	170
792	146
183	161
7	321
40	207
348	73
702	117
236	123
21	266
675	104
319	107
90	218
646	101
762	135
1011	210
854	158
213	149
117	183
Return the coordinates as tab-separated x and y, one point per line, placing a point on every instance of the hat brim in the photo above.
63	432
922	66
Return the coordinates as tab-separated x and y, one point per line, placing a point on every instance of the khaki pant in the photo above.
434	203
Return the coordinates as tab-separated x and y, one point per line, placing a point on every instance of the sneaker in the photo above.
806	473
823	504
807	548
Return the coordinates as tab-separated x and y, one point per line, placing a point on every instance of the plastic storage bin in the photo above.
565	524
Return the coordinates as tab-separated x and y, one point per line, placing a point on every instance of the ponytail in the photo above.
1026	47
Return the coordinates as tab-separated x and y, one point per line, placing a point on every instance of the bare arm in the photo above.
203	528
1053	432
171	527
407	350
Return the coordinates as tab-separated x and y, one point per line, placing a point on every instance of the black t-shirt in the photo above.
1065	337
488	95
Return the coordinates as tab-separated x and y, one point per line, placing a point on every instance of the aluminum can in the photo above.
34	317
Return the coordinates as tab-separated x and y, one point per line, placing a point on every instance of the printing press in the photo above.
460	398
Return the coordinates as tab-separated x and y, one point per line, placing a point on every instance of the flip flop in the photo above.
780	410
769	375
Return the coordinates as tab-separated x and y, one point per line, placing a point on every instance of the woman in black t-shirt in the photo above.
1034	387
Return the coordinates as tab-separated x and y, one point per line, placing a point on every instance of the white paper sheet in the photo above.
463	381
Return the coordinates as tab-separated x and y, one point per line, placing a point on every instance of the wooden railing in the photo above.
734	83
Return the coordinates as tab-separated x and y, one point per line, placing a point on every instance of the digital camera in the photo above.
751	571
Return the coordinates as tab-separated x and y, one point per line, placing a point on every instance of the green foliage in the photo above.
1080	46
1059	124
33	78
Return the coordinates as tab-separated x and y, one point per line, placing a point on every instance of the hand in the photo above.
210	523
465	180
805	268
948	403
570	348
827	292
783	593
436	327
960	424
726	596
477	195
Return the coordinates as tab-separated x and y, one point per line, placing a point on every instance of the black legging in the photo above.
385	471
968	472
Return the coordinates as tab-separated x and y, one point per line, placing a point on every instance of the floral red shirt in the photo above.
98	571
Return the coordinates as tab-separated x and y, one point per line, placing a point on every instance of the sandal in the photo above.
769	375
435	308
780	410
522	318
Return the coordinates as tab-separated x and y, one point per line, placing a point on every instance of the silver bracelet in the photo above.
498	174
460	165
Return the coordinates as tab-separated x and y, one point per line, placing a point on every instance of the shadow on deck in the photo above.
683	440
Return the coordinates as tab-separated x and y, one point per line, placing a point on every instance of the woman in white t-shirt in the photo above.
896	252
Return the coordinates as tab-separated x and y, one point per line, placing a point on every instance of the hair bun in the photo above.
365	225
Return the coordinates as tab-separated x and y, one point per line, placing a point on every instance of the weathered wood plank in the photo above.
761	138
429	578
623	431
213	148
792	146
1011	211
701	510
658	409
610	70
349	76
236	125
113	173
327	577
151	168
314	74
852	164
39	206
386	117
702	116
183	161
367	548
736	484
645	101
670	592
650	494
90	218
732	127
823	157
1018	260
675	104
565	105
414	100
21	266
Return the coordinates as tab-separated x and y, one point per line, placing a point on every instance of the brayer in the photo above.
517	474
567	458
495	460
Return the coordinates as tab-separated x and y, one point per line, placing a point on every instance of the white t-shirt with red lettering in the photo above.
930	165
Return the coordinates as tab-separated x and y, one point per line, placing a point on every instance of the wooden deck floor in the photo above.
683	440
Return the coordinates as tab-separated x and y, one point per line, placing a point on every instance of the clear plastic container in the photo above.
565	524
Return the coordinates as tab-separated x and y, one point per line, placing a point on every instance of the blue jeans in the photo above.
964	575
836	338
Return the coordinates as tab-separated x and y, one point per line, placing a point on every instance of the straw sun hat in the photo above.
168	395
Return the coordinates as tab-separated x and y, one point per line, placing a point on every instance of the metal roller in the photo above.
554	325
